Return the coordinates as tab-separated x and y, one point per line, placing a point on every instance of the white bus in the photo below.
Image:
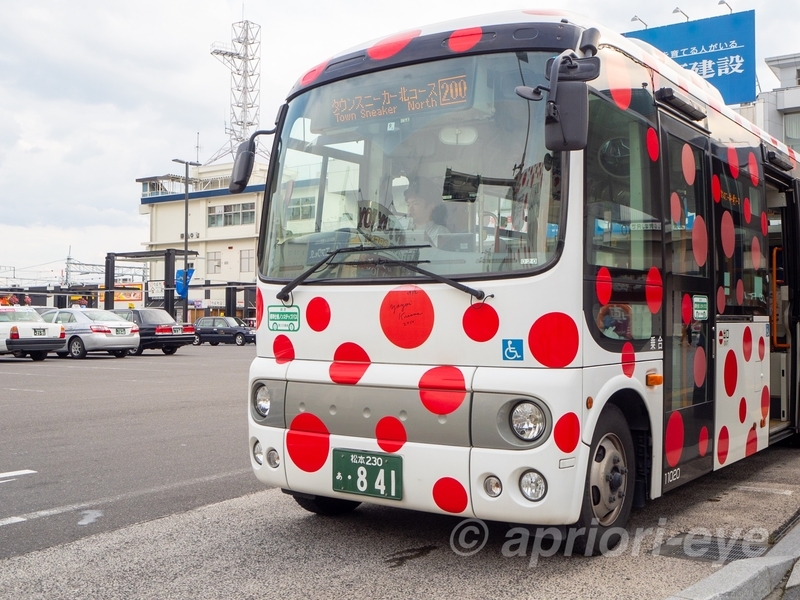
518	267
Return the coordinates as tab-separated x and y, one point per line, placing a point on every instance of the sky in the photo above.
95	94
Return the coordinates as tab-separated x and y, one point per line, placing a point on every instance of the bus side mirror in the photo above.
566	125
242	166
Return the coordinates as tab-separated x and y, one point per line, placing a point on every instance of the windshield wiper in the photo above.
283	294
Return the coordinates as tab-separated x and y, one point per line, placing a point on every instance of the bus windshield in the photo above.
438	164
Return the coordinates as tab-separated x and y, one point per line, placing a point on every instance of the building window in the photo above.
301	208
232	214
213	263
791	129
247	261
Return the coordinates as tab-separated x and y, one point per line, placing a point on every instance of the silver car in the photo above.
94	330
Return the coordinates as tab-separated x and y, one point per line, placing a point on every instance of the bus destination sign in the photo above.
403	100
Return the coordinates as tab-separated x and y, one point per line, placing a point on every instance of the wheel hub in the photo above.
608	479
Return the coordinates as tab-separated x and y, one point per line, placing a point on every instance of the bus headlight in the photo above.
527	421
262	401
533	485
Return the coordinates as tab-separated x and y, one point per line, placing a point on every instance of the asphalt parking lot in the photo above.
140	487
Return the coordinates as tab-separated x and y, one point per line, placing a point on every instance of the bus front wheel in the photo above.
329	507
608	494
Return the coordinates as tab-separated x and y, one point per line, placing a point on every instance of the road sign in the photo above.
179	281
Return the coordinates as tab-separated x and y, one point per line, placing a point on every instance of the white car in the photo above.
94	330
23	332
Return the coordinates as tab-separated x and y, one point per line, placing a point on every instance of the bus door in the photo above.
782	222
688	306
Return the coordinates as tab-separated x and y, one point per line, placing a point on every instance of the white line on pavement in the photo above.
16	473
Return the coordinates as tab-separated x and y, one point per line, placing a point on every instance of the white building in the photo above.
222	231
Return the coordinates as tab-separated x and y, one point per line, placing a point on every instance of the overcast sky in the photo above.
94	95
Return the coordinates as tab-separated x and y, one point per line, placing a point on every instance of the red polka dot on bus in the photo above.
442	389
653	290
765	402
747	343
733	162
259	307
742	410
553	340
730	373
480	322
312	74
699	367
702	441
567	432
716	188
761	348
752	442
282	349
406	316
675	208
764	223
746	210
721	300
464	39
755	253
740	292
628	359
727	233
308	442
388	47
619	80
686	309
603	286
688	165
652	144
449	495
350	362
752	167
318	314
391	434
722	445
700	241
673	439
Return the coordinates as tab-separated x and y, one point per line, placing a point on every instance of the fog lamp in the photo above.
258	453
532	485
273	460
492	486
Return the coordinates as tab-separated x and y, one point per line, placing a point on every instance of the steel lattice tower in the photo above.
243	58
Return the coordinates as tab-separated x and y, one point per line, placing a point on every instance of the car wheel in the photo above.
214	343
169	350
329	507
119	353
196	341
239	339
136	351
608	495
19	354
38	355
77	349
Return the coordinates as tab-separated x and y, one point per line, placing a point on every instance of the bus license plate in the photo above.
368	474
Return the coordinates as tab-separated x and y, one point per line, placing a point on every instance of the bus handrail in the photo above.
773	318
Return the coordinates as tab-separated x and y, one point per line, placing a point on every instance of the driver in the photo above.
426	210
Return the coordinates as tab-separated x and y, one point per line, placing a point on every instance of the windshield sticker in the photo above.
283	318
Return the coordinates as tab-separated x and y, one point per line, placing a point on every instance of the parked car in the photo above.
23	332
94	330
157	330
226	330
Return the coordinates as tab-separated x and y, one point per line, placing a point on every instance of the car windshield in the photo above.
156	316
19	315
441	161
239	322
102	315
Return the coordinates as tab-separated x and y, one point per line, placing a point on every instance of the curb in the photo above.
750	578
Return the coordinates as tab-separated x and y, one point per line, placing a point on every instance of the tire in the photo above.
136	351
214	343
328	507
610	474
119	353
77	349
62	354
169	350
38	355
196	341
240	339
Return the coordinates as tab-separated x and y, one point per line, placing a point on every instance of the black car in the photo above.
227	330
157	330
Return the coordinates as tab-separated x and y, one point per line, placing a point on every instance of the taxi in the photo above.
23	332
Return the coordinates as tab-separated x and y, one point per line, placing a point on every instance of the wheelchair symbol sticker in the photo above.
512	350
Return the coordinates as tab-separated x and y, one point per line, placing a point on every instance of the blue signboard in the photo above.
179	282
720	49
